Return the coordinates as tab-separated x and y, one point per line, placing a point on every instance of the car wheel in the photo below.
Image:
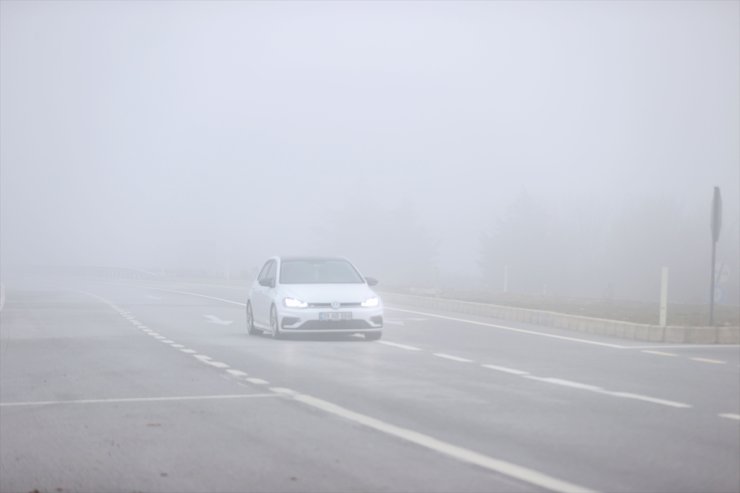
372	336
275	323
251	329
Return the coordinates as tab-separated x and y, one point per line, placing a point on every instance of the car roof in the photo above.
311	257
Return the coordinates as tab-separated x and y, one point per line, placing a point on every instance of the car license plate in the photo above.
335	315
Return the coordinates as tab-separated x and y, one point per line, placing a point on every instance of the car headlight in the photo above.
294	303
371	302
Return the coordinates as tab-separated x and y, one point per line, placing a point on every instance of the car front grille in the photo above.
328	305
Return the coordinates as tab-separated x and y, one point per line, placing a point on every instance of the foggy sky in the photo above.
169	134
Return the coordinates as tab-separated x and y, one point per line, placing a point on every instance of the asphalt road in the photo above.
130	387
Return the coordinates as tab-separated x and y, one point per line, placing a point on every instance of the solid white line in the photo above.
200	295
599	390
400	346
453	358
730	416
707	360
520	473
237	373
136	399
659	353
506	370
688	346
512	329
257	381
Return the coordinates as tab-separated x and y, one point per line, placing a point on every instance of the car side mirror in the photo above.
268	282
371	281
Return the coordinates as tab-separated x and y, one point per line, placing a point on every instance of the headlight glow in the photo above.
371	302
294	303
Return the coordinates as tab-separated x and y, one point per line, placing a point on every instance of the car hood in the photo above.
327	293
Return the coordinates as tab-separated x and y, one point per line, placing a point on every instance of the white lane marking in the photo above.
512	329
453	358
506	370
237	373
283	391
161	338
200	295
730	416
213	319
137	399
520	473
708	360
217	364
400	346
202	357
599	390
257	381
188	351
177	346
168	341
566	383
688	346
152	333
659	353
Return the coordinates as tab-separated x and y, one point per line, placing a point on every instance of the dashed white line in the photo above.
730	416
599	390
506	370
453	358
188	351
237	373
659	353
257	381
400	346
167	341
177	346
217	364
708	360
202	357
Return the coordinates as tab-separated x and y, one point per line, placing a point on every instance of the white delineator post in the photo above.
663	296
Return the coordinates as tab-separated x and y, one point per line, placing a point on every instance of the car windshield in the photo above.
318	271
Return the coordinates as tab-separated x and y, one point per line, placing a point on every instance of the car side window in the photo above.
271	270
264	273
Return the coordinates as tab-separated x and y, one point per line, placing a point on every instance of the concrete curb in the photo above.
599	326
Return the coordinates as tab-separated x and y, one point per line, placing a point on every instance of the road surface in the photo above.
141	387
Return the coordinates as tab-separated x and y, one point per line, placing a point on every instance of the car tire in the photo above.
372	336
251	329
275	323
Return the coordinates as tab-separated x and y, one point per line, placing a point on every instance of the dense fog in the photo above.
568	148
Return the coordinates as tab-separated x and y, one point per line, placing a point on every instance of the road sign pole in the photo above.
716	227
663	296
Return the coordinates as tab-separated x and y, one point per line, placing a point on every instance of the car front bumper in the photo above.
309	320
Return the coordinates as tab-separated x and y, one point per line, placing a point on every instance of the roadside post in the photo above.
716	227
663	296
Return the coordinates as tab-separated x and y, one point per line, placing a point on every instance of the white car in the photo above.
298	295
